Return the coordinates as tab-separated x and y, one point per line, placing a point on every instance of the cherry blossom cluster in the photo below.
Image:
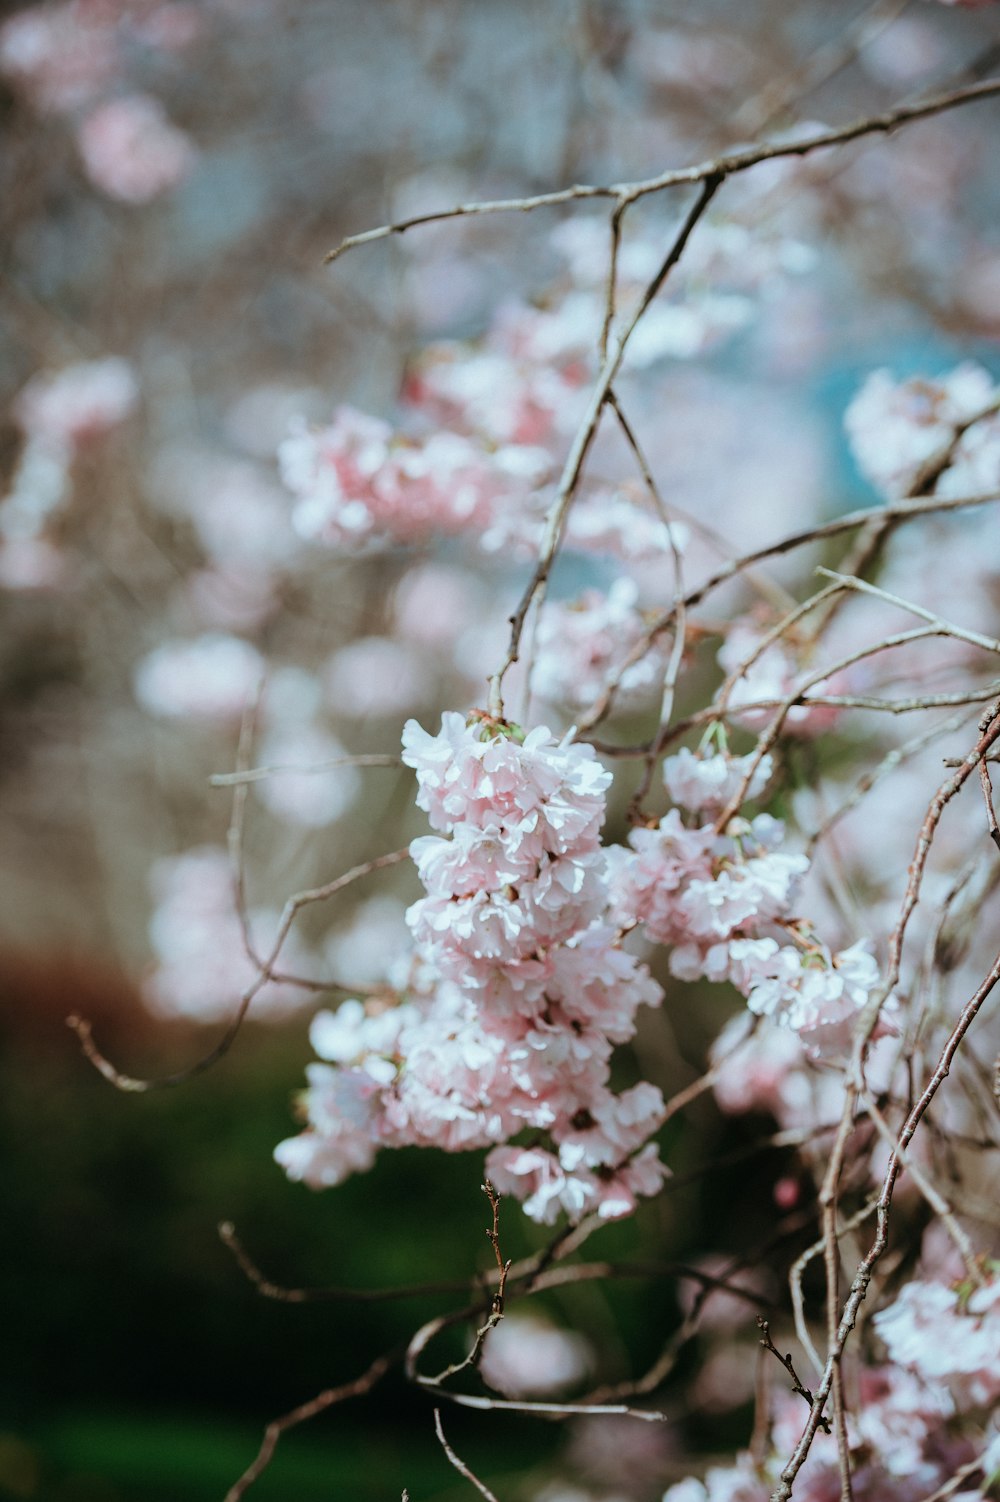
484	423
519	991
950	423
581	644
900	1443
949	1338
62	416
356	481
718	898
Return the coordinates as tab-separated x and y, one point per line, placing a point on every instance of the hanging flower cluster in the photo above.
520	991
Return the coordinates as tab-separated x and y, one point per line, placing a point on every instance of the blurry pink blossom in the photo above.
947	1337
131	151
212	678
304	788
435	603
62	55
230	597
197	939
377	675
358	483
896	427
580	644
771	678
526	1356
71	407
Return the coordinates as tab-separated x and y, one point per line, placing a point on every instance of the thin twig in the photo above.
555	522
863	1276
554	1410
495	1315
460	1466
133	1084
798	1269
257	774
900	510
721	166
946	628
930	1192
301	1415
788	1364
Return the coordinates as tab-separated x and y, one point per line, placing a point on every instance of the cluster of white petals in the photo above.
717	899
896	428
949	1337
520	990
898	1437
580	645
356	482
485	424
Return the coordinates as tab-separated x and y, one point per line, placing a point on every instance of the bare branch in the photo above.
257	774
301	1415
572	469
460	1466
554	1410
900	510
787	1363
863	1276
720	167
132	1084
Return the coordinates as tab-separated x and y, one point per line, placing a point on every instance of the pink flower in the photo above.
895	427
70	408
211	678
61	55
947	1338
816	995
518	989
342	1106
131	151
526	1356
707	783
544	794
356	483
580	644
